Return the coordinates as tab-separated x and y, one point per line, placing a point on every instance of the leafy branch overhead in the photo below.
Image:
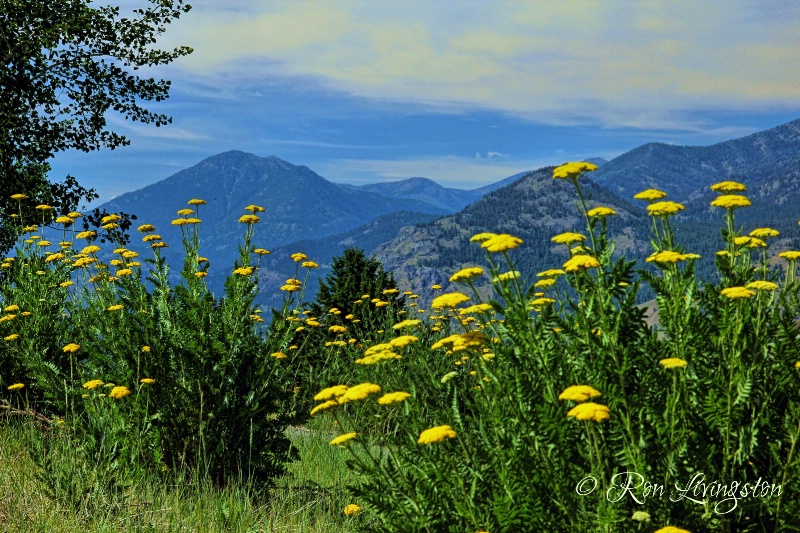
65	67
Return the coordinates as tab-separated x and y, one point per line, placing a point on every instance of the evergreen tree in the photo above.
354	275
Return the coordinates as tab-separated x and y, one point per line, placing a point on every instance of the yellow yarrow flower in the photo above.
579	262
552	273
249	219
728	186
579	393
466	274
568	238
737	292
116	307
393	397
731	201
71	348
359	392
482	237
405	324
545	283
403	341
673	362
573	169
790	255
147	381
196	201
337	329
12	337
436	434
119	392
18	197
254	208
243	271
507	276
475	309
298	257
761	285
351	509
590	411
764	233
650	195
669	256
672	529
331	392
600	212
309	264
144	228
501	243
538	302
664	208
342	439
16	386
330	404
451	299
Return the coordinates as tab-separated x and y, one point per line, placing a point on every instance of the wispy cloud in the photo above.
552	62
449	171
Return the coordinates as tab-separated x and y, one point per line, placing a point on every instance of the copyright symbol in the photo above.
586	485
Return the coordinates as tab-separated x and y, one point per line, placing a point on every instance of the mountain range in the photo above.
420	230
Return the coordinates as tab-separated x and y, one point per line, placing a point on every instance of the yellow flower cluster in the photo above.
476	309
466	274
119	392
659	209
728	186
764	233
568	238
761	285
590	411
791	255
501	243
351	509
579	393
672	529
731	201
669	256
16	386
481	237
580	261
451	299
599	212
650	195
436	434
552	273
462	341
93	384
393	397
341	439
573	170
407	324
673	362
737	292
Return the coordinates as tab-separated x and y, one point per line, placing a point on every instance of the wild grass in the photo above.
308	498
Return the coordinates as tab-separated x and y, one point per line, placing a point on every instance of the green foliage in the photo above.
65	65
205	394
708	398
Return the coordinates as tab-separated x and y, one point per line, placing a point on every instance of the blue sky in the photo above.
465	93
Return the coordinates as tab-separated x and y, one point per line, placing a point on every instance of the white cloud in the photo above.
547	61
